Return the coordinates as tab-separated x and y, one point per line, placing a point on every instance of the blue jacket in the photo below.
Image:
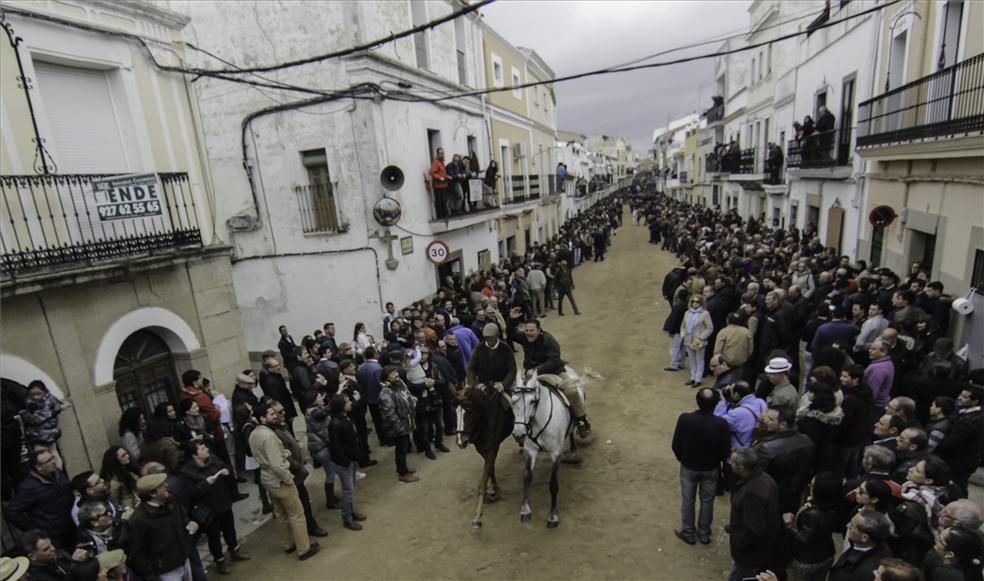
467	341
741	418
368	376
839	331
43	504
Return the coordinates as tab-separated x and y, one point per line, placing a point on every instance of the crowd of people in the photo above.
175	474
836	406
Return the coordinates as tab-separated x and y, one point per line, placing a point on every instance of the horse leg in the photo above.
525	513
493	494
573	457
482	487
554	519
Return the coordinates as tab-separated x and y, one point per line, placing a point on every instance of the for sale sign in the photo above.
127	197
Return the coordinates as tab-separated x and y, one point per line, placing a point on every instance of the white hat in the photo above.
12	569
778	365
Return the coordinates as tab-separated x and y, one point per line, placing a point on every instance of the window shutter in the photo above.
85	130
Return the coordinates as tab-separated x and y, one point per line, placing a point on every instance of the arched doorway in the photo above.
144	372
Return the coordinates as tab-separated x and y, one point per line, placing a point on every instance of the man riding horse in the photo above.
541	354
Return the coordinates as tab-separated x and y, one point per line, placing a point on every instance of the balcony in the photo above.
450	204
78	220
939	107
534	187
716	112
746	161
518	189
820	150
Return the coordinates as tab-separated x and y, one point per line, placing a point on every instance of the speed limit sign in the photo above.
437	252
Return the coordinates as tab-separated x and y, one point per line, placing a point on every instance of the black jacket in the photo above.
275	386
64	568
812	534
858	566
961	447
158	540
788	458
215	497
756	523
43	504
701	440
343	440
542	354
856	425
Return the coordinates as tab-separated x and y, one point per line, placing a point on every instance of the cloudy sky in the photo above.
579	36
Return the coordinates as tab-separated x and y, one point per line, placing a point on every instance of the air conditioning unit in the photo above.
519	150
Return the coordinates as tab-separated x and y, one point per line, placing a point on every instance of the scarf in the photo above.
693	319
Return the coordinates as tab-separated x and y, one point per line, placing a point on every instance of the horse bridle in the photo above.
536	402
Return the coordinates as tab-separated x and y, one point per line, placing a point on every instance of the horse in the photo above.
543	422
490	423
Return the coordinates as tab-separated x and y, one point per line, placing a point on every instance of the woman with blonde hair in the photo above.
695	331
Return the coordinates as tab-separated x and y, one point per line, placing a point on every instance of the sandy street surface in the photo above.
618	508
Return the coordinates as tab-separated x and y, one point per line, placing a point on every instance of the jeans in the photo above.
288	511
676	351
182	573
402	444
696	363
689	481
539	301
324	458
560	301
223	526
347	476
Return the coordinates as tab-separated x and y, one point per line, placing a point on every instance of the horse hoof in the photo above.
552	524
491	499
476	524
571	460
524	518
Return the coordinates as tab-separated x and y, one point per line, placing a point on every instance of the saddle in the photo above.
554	382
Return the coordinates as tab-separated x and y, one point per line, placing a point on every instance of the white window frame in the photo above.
516	79
497	60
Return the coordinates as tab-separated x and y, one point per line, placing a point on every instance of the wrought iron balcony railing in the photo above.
51	221
820	150
451	202
946	103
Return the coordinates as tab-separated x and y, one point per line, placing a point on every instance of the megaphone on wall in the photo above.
392	178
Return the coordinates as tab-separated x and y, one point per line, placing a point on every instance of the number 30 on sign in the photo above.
437	252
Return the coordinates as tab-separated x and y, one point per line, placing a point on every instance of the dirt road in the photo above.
618	508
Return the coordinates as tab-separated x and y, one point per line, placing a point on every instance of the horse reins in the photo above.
526	424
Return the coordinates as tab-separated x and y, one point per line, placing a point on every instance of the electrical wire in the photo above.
411	98
725	36
358	48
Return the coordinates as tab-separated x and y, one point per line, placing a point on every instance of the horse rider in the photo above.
541	354
492	364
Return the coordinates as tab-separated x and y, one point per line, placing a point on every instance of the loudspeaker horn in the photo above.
391	177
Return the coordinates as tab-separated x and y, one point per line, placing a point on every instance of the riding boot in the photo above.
331	501
583	426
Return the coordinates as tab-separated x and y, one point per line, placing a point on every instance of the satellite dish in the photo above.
881	216
387	212
392	178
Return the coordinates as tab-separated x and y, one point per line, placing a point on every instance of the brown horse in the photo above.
485	419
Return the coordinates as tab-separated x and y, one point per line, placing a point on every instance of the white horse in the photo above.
543	422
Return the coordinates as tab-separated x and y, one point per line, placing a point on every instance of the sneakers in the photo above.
359	475
352	525
408	477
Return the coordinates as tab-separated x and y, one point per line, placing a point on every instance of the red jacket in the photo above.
439	174
205	407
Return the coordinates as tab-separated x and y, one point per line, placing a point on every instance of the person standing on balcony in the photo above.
456	193
561	176
809	138
825	130
440	182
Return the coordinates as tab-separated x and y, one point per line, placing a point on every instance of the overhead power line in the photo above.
612	70
345	52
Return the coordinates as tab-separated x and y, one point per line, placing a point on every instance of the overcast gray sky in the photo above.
577	36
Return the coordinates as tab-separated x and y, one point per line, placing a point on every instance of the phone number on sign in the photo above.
129	210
